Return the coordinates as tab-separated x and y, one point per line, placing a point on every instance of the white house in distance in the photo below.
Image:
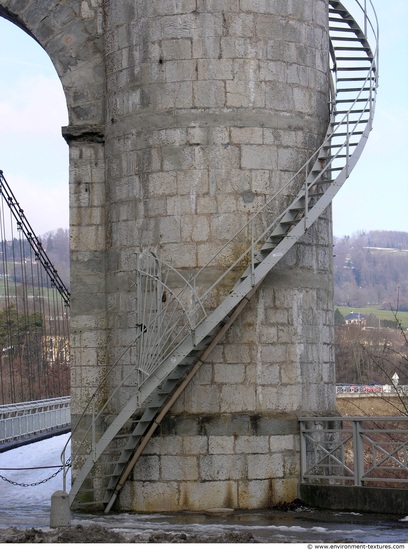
355	319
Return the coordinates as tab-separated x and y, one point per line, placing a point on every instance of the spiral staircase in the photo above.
177	329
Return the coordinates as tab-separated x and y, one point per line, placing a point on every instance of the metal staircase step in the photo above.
353	122
364	89
344	134
356	59
342	19
297	209
353	101
178	373
337	7
345	112
345	38
352	68
167	387
351	144
267	246
346	29
187	361
360	48
355	79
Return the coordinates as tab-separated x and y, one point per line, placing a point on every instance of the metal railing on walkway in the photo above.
20	420
345	390
360	451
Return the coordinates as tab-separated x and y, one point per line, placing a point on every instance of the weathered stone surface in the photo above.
185	117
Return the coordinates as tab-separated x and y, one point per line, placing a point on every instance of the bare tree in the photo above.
391	360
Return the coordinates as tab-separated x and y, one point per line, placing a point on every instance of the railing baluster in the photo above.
358	453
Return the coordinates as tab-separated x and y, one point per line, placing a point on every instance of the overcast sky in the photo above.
34	156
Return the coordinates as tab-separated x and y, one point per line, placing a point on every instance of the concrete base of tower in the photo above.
238	461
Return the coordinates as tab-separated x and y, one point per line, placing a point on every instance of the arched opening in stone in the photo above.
33	203
33	153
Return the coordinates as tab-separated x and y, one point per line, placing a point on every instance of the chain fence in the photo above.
35	483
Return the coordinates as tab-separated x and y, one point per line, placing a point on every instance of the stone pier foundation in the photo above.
186	116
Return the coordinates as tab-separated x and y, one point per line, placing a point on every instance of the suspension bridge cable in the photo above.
13	323
4	280
38	316
34	331
34	242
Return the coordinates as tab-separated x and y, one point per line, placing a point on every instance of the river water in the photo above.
29	506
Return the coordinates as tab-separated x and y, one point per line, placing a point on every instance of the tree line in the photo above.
15	253
34	341
369	268
372	268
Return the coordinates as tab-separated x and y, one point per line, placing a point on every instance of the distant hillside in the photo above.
372	268
56	245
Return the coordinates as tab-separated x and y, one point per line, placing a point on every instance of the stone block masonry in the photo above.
230	461
185	117
223	103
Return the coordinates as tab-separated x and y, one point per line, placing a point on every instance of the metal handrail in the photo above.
29	405
24	419
345	390
360	451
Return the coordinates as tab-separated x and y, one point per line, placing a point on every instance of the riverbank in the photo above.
97	534
298	525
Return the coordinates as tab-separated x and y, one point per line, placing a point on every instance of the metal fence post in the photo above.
93	437
358	453
303	460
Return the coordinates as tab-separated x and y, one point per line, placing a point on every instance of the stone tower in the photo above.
186	116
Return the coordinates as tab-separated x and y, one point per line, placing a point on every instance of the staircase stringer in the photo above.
112	431
248	281
143	440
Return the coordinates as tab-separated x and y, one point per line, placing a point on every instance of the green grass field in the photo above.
374	310
48	294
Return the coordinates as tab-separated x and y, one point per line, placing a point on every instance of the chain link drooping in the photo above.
35	483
